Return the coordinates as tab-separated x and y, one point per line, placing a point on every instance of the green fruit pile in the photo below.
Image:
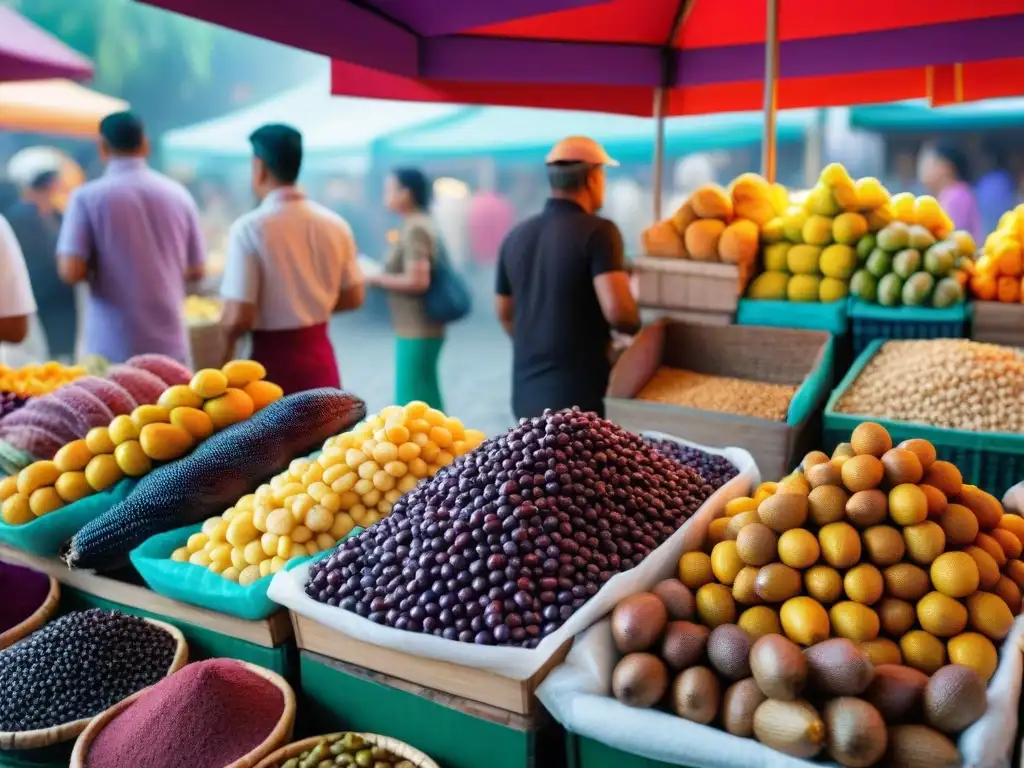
905	264
809	253
346	749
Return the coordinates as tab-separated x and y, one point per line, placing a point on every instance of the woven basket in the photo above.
46	737
281	733
394	746
41	615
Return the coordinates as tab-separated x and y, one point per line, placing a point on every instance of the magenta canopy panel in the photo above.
426	39
29	53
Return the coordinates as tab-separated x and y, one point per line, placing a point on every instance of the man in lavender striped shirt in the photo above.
133	235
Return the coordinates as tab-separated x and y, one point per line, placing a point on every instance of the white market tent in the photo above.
332	126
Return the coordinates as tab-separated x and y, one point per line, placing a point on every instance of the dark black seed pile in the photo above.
716	470
508	542
78	666
10	402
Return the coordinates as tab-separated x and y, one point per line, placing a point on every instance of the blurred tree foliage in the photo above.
172	69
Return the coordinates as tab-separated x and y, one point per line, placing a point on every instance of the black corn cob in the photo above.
221	469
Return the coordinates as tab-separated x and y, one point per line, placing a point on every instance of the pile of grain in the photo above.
673	386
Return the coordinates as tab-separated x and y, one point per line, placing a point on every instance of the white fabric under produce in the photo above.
578	695
521	663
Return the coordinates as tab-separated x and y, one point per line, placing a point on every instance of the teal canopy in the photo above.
918	116
508	132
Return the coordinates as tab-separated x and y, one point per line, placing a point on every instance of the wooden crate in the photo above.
468	682
998	323
268	633
771	355
650	315
687	286
454	731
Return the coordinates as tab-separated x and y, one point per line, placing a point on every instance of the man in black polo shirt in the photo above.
562	288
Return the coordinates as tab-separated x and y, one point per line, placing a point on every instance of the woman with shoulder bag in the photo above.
424	294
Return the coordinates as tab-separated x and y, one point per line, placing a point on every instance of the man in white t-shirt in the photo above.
290	264
17	304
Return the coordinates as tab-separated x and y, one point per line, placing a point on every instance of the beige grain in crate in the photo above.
268	633
47	737
996	322
770	355
687	286
281	734
468	682
394	746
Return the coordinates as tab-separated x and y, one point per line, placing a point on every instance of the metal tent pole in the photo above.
771	80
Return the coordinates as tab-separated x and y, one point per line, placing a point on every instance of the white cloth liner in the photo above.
287	589
1013	499
578	695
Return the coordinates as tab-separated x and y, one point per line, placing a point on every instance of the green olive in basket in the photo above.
348	749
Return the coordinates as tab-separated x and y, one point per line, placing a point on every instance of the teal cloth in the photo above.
44	535
958	313
808	316
200	586
416	371
811	391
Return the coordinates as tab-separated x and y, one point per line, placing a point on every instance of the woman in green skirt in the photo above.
406	278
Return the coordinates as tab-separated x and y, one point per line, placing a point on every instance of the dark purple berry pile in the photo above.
10	402
716	470
504	545
78	666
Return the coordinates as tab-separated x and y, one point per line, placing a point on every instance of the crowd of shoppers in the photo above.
134	239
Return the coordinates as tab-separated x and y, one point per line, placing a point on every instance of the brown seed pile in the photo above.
952	383
673	386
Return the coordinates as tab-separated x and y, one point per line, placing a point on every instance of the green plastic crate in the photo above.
870	322
990	460
338	696
804	315
582	752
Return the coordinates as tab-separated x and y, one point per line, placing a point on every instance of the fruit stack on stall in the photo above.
699	260
811	251
198	447
963	396
857	610
996	284
486	571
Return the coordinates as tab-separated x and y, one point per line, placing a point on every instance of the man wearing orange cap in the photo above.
562	288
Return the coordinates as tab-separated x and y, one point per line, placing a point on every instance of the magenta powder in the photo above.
207	715
24	590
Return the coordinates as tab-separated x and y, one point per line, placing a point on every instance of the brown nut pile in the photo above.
673	386
952	383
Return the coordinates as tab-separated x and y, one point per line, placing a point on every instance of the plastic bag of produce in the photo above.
578	695
287	589
200	586
44	535
1013	499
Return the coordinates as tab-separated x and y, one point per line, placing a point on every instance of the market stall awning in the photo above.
624	48
919	116
514	132
336	125
29	53
58	107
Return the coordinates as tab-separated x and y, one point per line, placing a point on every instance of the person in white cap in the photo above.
562	288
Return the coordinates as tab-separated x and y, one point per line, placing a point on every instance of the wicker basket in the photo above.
281	733
59	733
394	746
41	615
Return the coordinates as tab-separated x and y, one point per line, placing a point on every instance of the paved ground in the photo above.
475	364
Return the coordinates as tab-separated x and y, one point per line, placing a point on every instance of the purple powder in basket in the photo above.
24	590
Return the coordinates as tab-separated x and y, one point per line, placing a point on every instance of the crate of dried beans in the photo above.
963	396
762	388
